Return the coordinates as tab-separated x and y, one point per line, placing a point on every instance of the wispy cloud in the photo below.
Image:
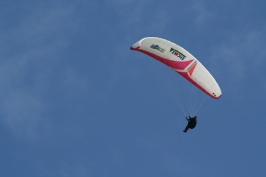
201	14
242	53
32	48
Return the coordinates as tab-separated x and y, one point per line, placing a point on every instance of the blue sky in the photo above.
77	102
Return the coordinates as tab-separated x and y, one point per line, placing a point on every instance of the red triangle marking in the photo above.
191	70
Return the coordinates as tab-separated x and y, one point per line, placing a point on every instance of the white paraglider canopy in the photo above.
181	61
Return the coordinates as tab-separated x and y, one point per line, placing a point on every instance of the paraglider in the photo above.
181	61
192	122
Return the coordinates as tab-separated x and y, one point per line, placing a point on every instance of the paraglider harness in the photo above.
192	122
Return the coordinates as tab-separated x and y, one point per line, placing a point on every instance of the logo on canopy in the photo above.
178	54
157	47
